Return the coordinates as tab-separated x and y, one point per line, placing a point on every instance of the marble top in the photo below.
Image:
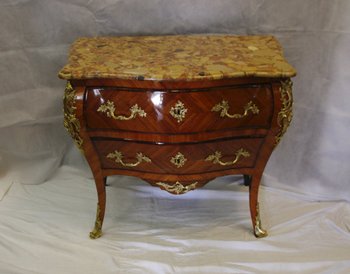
178	57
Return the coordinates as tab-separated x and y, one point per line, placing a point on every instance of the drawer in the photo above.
185	158
172	112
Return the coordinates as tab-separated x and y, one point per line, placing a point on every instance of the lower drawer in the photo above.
184	158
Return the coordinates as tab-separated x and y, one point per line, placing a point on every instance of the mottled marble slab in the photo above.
179	57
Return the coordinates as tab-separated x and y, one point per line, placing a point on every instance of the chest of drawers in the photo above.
177	111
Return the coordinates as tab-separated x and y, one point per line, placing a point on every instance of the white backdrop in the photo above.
312	159
35	35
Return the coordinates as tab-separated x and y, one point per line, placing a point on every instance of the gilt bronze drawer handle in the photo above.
224	107
215	158
118	158
177	188
109	109
178	111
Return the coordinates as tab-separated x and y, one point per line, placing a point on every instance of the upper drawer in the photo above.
179	111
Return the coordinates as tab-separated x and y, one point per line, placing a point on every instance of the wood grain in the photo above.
199	116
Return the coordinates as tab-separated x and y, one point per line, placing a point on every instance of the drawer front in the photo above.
179	112
186	158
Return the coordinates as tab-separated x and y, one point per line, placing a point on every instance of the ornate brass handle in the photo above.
109	109
215	158
118	158
177	188
224	107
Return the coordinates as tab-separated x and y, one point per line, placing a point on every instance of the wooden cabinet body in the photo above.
176	133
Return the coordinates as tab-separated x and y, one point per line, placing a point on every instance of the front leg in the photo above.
101	205
259	232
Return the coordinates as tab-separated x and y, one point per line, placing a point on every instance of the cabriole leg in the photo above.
259	232
101	205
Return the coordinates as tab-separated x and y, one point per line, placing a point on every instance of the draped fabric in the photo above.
48	197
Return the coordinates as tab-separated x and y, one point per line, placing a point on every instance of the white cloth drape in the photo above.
44	230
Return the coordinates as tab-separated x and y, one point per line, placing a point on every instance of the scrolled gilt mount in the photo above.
217	155
71	122
224	106
109	108
118	158
177	188
286	113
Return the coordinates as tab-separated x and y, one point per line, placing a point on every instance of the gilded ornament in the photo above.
259	232
178	111
223	107
178	160
118	158
217	155
285	115
177	188
97	231
109	108
71	122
